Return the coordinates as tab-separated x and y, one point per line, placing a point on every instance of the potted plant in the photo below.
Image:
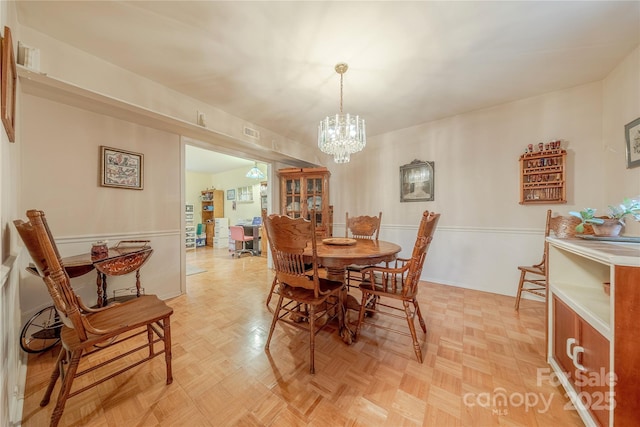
613	223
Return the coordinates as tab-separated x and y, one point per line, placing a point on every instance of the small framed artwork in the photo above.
8	85
121	168
231	194
632	133
416	182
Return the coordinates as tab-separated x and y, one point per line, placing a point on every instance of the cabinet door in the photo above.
595	390
292	200
564	335
315	198
572	336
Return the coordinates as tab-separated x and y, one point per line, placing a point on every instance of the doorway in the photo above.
220	192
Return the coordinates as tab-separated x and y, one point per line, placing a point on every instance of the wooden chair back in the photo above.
562	227
30	239
289	237
39	242
403	279
363	227
419	254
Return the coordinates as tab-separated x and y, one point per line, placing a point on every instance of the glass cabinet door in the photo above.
293	197
315	198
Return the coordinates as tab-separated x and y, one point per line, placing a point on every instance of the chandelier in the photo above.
343	134
255	173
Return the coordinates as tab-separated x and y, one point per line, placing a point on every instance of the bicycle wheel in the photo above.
42	331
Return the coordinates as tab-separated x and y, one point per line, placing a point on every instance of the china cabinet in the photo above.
212	207
306	190
543	177
593	346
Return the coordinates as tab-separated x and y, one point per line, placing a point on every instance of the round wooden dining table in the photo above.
336	257
336	254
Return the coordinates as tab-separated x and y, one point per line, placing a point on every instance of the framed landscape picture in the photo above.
121	168
632	133
231	194
416	182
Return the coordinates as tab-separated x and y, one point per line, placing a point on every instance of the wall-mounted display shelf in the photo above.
543	177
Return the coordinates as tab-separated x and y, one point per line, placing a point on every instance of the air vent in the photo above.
251	133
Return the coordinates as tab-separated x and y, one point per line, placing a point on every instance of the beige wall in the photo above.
484	233
60	171
621	105
59	174
476	162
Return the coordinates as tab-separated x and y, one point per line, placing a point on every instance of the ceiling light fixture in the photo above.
343	134
255	173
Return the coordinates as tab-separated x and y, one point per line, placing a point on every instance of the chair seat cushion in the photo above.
306	296
118	319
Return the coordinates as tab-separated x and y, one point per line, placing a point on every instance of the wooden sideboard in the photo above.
593	344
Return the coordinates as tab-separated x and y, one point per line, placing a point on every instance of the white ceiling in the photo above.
207	161
272	63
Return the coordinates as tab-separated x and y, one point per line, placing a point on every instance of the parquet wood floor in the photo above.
484	365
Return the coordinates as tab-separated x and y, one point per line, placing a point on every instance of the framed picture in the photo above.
632	132
121	168
231	194
416	182
8	85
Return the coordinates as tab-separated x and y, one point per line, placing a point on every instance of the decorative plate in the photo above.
339	241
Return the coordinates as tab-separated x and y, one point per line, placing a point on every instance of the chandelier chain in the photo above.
341	76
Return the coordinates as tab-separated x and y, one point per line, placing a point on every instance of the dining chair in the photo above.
384	288
360	227
533	277
236	232
312	301
130	327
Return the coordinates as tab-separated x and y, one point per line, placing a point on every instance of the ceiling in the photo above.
207	161
272	63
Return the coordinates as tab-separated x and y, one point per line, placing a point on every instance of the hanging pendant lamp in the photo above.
255	173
